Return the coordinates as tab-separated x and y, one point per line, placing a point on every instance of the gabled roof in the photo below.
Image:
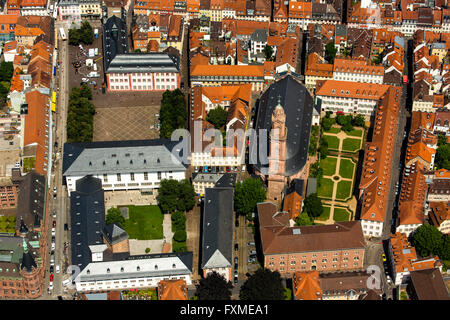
306	285
217	237
114	234
429	285
172	290
120	157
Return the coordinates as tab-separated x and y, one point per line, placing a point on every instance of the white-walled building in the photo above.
135	272
349	97
69	10
123	165
357	70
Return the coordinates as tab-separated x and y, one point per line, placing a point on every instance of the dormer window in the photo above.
121	269
138	268
108	271
89	271
156	267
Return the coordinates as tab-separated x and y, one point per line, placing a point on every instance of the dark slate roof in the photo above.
156	153
28	262
115	39
87	211
217	235
228	180
297	185
340	30
30	202
259	35
114	234
298	107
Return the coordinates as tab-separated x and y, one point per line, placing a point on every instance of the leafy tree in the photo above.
85	91
147	250
359	121
74	37
442	140
173	113
327	123
443	156
427	240
330	52
247	194
80	117
264	284
323	149
86	33
214	287
217	117
176	195
6	71
313	205
179	220
344	119
347	127
304	219
315	170
268	52
180	235
114	216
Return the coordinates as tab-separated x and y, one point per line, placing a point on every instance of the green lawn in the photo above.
341	214
355	133
333	142
326	188
344	189
346	168
351	145
334	130
328	165
145	223
325	214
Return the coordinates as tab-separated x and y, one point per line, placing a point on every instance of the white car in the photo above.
54	213
53	246
50	287
57	268
53	232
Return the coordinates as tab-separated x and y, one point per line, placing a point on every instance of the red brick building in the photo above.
336	247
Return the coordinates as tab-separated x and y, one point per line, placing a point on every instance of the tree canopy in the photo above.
114	216
214	287
80	117
268	53
173	113
217	117
313	205
247	194
442	160
264	284
176	195
330	52
428	240
304	219
83	35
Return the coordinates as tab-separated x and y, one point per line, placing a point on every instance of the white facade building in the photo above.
135	272
372	228
123	165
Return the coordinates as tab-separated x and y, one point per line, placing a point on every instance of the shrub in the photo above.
147	250
180	236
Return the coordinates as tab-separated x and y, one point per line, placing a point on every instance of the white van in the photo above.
57	269
66	282
52	260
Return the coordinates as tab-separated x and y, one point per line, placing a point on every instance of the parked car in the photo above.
51	269
252	256
84	80
53	231
252	252
236	224
251	243
54	223
50	287
57	269
236	247
53	246
51	277
66	227
54	189
235	259
54	196
235	266
53	239
250	260
54	213
383	256
235	280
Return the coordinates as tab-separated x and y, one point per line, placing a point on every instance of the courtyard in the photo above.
339	169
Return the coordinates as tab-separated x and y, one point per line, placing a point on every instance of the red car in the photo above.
51	278
54	223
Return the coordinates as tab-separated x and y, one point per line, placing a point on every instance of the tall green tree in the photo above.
86	33
176	195
359	121
442	160
304	219
248	194
114	216
427	240
217	117
313	205
268	52
173	113
74	37
330	52
80	117
214	287
264	284
323	149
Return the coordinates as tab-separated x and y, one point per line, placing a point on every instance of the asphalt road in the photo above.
61	203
